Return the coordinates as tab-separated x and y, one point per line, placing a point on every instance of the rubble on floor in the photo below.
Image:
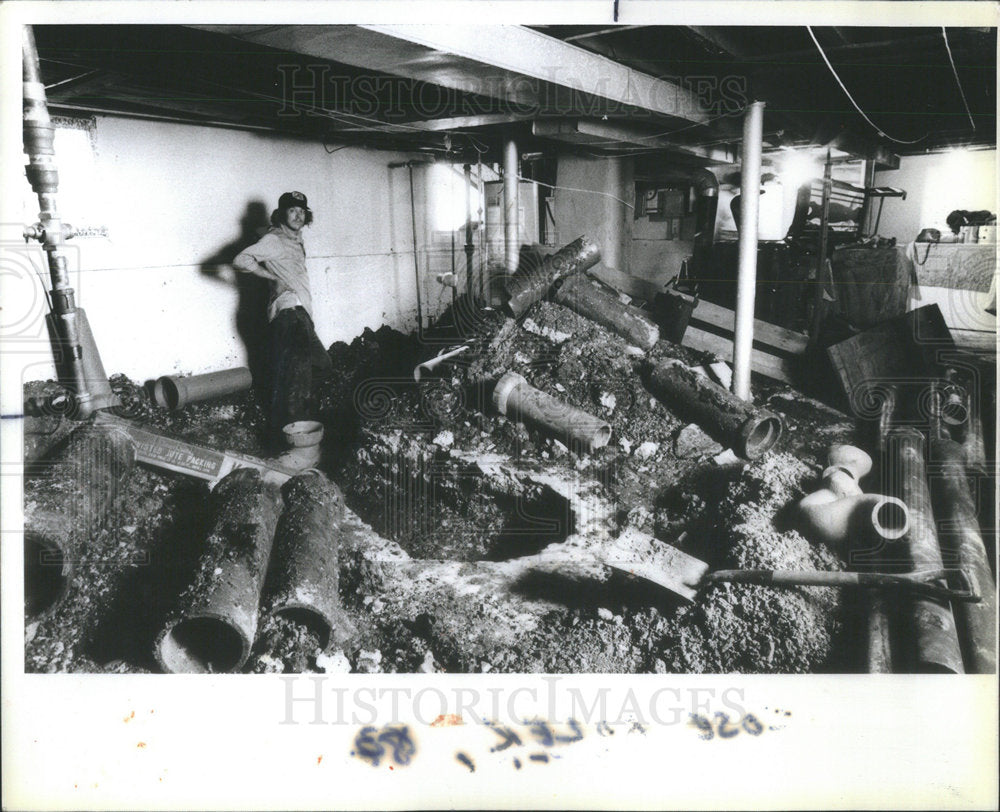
445	501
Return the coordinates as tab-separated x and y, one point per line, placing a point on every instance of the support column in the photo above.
511	224
746	288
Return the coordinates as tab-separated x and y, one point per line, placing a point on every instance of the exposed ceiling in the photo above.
650	91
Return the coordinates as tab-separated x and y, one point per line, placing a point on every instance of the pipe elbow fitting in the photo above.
845	521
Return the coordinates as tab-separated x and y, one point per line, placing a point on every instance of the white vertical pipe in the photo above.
511	239
746	285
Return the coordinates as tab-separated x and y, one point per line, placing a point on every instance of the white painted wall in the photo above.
173	195
935	186
596	201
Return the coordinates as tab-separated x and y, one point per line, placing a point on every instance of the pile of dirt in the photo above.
739	628
410	459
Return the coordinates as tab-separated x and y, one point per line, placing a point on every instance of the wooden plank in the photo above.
764	332
762	362
982	341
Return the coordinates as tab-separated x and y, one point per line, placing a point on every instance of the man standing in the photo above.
296	353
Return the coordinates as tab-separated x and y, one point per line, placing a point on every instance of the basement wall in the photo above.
178	201
596	199
935	186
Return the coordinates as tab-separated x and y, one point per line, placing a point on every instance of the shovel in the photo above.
643	556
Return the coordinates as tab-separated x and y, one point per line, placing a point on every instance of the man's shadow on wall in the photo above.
253	291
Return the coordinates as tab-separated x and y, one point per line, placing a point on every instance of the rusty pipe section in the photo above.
304	577
216	623
530	284
935	647
515	397
749	431
582	295
962	544
67	504
73	343
175	391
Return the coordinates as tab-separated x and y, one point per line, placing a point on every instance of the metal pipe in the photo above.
746	284
824	222
531	284
934	647
79	362
515	397
749	431
962	546
581	295
431	364
470	248
216	624
305	574
416	263
67	504
511	203
175	391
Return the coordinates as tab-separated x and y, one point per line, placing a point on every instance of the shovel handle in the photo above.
922	583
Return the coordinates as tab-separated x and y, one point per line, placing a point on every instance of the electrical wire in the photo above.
951	59
878	129
572	189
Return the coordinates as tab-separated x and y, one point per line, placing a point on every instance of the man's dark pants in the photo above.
298	361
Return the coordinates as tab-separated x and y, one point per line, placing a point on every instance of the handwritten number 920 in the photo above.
724	728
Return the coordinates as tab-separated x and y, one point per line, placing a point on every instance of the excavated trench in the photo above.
447	500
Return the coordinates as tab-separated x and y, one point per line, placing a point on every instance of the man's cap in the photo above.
291	199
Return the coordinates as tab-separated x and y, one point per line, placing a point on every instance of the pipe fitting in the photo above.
841	516
838	521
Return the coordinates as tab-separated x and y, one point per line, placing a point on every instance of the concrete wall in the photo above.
178	201
596	201
935	186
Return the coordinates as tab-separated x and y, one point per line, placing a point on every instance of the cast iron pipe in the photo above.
175	391
215	626
514	396
935	638
530	284
581	295
305	574
962	544
749	431
746	280
67	504
79	362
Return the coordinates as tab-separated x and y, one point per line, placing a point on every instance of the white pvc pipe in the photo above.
746	286
511	242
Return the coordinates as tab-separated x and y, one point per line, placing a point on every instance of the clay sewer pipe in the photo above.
515	397
67	505
175	391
